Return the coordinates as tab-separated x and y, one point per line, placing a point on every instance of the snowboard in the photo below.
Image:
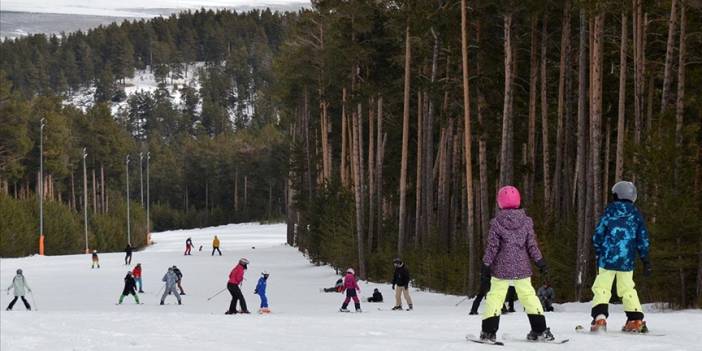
581	330
473	338
508	337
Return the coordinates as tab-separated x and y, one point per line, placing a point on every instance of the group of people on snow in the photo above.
189	246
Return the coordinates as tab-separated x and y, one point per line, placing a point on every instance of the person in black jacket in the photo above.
129	288
179	274
128	255
400	283
338	286
377	296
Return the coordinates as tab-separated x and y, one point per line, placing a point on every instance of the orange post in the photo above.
41	244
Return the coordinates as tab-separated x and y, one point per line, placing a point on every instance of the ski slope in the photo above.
77	311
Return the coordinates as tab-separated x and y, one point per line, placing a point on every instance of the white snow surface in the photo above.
77	311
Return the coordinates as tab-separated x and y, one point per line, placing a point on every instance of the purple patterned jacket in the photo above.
511	242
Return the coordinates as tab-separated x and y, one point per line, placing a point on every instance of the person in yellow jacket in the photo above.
215	246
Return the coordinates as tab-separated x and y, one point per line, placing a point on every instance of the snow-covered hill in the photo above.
77	311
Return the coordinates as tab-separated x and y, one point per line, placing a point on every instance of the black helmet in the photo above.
397	261
19	271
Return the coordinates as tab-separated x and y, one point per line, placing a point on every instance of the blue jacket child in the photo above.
261	292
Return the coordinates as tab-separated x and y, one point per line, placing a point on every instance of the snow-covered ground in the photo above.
77	311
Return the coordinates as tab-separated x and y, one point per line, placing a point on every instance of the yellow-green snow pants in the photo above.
498	292
602	289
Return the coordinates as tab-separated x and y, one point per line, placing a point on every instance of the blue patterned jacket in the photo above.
619	235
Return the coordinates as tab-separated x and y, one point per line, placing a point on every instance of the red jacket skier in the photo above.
236	277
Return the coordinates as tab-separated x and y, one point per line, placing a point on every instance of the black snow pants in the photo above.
236	296
12	304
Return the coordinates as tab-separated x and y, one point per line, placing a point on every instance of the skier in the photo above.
129	288
377	296
170	278
188	246
128	255
136	272
546	295
215	246
179	275
619	235
261	292
96	260
511	243
352	290
236	277
19	284
400	283
338	286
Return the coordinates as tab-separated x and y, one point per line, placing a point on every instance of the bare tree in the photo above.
668	69
467	143
405	144
544	118
506	156
621	132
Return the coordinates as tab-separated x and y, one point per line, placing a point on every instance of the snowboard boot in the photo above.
635	323
397	308
543	336
141	291
358	307
488	336
245	312
180	303
599	324
473	313
410	307
264	310
230	312
344	309
8	309
161	303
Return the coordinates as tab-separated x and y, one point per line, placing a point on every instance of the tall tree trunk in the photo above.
72	203
429	140
379	168
560	172
605	178
621	131
371	173
582	249
344	142
482	145
596	111
531	144
668	69
680	100
544	119
638	71
358	194
418	217
506	147
405	144
467	142
94	193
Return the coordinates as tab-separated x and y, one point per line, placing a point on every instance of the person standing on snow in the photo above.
261	292
215	246
170	278
352	290
188	246
179	274
136	272
96	260
128	254
511	245
620	234
129	288
19	284
236	277
400	283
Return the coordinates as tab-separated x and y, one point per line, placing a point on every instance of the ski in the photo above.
476	339
508	337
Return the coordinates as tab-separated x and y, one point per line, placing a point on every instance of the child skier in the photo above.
136	272
511	243
188	246
19	284
352	289
170	279
619	235
236	277
129	288
96	260
261	292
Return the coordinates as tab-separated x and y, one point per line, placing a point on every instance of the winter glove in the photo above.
485	274
541	264
646	267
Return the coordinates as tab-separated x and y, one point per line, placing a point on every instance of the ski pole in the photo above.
460	302
219	292
159	290
31	294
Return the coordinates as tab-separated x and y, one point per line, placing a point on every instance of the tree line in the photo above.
405	117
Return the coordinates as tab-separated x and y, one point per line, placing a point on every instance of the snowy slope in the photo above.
77	308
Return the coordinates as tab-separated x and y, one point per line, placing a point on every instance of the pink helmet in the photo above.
508	197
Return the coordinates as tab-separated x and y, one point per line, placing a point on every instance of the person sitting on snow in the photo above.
338	286
546	295
377	296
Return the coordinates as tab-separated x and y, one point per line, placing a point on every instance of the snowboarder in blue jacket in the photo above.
620	235
261	292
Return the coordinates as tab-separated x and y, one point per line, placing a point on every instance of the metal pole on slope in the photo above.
41	186
141	178
85	201
129	233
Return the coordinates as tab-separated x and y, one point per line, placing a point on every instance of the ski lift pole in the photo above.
219	292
